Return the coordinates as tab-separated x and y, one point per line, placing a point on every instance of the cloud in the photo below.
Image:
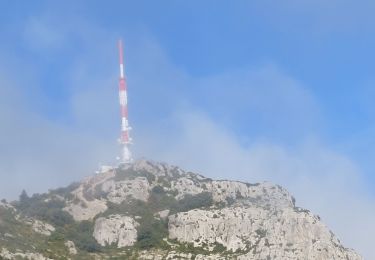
38	152
49	141
324	181
43	35
199	137
265	100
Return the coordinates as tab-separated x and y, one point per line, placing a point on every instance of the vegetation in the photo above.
160	200
43	208
17	235
131	207
189	202
261	232
81	234
65	192
131	174
151	231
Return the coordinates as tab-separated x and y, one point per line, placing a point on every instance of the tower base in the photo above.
126	156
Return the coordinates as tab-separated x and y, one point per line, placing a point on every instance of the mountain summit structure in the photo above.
125	140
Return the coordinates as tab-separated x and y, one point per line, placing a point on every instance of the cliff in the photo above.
151	210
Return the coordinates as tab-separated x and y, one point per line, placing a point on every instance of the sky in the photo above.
278	91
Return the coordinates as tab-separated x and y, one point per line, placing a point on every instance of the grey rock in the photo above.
116	229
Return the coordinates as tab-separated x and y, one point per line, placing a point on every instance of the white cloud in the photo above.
40	153
265	98
43	35
322	180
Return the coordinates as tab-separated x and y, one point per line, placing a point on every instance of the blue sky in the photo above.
325	46
280	91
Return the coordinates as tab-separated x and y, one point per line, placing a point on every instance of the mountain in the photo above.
151	210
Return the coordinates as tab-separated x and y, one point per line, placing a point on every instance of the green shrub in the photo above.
66	191
158	189
131	174
261	232
132	207
49	211
164	181
151	233
81	234
230	200
190	202
219	248
160	200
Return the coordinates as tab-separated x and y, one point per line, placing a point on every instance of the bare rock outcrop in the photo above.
7	255
41	227
116	229
71	247
84	205
260	233
119	191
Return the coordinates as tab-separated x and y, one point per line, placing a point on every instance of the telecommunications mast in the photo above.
125	140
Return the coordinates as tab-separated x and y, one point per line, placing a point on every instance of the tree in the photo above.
24	197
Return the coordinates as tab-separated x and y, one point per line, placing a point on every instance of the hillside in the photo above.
153	210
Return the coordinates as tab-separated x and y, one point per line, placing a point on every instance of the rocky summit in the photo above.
150	210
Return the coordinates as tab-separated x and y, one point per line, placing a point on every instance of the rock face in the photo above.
5	254
42	227
71	247
84	205
120	190
282	234
151	210
116	229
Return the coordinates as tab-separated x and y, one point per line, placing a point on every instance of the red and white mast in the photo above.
125	140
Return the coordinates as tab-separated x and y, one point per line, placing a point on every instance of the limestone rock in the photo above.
261	233
176	255
81	209
71	247
116	229
37	226
157	169
7	255
146	255
119	191
163	214
84	206
265	194
210	257
185	186
42	227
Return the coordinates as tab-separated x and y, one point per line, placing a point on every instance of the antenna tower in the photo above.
125	140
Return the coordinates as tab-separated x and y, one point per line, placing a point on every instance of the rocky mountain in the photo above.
151	210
